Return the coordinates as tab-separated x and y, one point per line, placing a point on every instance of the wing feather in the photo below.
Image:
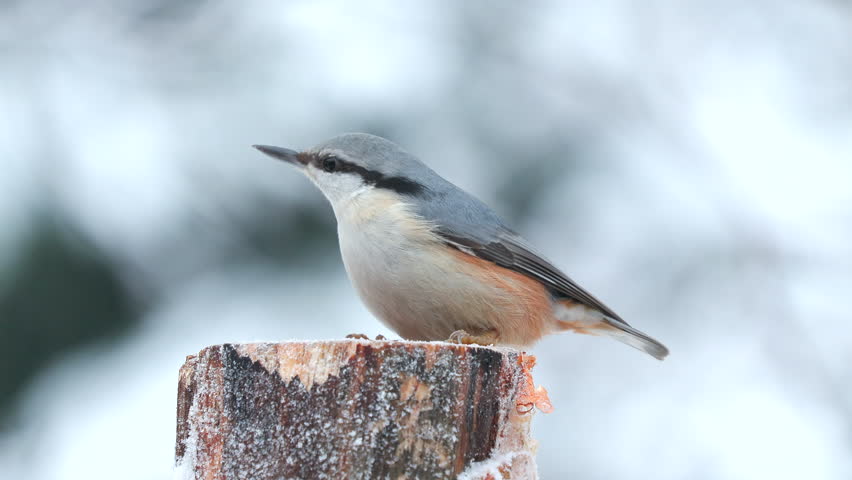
510	251
470	226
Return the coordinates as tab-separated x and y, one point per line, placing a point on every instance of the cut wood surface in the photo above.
356	409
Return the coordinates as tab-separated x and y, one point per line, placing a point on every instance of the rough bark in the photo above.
356	410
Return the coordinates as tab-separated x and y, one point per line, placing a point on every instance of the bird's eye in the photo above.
329	164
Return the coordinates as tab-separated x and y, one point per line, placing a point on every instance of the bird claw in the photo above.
361	336
461	337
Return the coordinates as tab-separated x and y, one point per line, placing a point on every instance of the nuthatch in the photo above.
433	262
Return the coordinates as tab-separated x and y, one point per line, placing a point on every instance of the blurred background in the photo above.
688	162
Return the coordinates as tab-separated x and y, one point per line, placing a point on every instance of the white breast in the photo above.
405	274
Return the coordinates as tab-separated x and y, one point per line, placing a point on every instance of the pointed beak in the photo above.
289	156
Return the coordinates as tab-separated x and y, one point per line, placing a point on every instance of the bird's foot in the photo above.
461	337
361	336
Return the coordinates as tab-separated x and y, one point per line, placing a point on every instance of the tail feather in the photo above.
628	335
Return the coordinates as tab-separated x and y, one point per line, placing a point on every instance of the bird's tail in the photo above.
628	335
580	318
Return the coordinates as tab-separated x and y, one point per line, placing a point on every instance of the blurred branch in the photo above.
61	293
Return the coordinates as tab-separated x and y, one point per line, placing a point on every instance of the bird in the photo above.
433	262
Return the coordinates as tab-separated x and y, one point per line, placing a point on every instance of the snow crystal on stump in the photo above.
356	410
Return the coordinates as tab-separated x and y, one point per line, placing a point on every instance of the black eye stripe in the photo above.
400	185
340	165
397	184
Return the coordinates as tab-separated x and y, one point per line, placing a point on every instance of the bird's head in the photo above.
355	163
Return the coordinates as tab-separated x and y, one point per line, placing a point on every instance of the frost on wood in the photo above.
356	410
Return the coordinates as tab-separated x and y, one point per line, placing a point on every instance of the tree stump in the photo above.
356	410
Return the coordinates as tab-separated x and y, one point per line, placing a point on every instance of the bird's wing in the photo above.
509	250
467	224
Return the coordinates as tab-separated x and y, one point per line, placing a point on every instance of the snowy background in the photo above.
688	162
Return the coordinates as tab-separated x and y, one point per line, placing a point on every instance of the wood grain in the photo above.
356	410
